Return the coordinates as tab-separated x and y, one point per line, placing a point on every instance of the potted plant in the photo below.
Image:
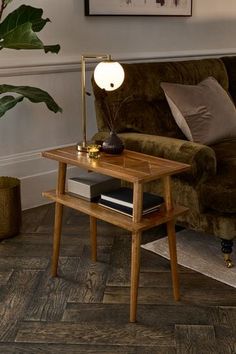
18	30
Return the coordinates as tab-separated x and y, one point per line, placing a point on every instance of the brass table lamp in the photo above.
108	75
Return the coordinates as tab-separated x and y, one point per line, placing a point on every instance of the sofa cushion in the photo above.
204	112
221	188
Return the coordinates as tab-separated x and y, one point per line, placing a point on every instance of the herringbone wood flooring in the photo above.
85	309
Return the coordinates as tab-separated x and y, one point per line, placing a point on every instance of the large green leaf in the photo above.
22	15
34	94
18	29
8	102
22	37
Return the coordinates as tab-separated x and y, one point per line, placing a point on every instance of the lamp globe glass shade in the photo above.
109	75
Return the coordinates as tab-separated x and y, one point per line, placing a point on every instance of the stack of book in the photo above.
121	200
90	185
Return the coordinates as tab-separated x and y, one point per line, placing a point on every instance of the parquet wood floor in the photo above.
85	309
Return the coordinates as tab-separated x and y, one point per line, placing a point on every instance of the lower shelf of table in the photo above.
113	217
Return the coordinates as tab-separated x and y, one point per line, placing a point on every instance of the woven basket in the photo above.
10	207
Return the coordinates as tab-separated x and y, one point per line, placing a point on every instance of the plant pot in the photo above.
10	207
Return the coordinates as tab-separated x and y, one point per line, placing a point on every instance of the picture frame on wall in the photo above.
138	7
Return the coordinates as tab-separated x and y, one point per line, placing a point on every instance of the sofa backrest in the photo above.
146	110
230	64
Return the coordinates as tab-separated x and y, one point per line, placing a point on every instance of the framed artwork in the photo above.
138	7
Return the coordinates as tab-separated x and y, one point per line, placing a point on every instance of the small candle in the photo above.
93	151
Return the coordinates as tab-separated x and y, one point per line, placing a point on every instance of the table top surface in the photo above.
130	166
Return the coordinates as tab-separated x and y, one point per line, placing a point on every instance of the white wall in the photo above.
30	128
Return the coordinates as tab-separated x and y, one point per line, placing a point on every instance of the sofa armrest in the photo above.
200	157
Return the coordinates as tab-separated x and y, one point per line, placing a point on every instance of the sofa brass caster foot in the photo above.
228	261
226	248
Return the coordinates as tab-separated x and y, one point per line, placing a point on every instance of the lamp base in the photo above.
82	147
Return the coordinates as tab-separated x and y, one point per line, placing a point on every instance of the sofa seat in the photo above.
221	188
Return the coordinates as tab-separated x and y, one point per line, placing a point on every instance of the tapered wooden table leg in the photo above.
173	259
58	217
135	267
93	238
56	237
135	249
171	238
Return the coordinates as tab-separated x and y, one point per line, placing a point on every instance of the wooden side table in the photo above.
133	167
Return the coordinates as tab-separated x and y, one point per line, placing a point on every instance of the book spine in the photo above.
117	201
117	210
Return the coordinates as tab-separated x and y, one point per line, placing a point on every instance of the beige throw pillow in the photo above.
205	113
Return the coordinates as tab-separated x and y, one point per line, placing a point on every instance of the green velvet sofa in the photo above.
145	124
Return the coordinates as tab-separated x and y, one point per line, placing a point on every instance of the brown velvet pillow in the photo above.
205	113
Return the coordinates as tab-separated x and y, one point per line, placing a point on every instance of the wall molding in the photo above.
39	69
36	174
72	64
27	156
19	158
33	186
